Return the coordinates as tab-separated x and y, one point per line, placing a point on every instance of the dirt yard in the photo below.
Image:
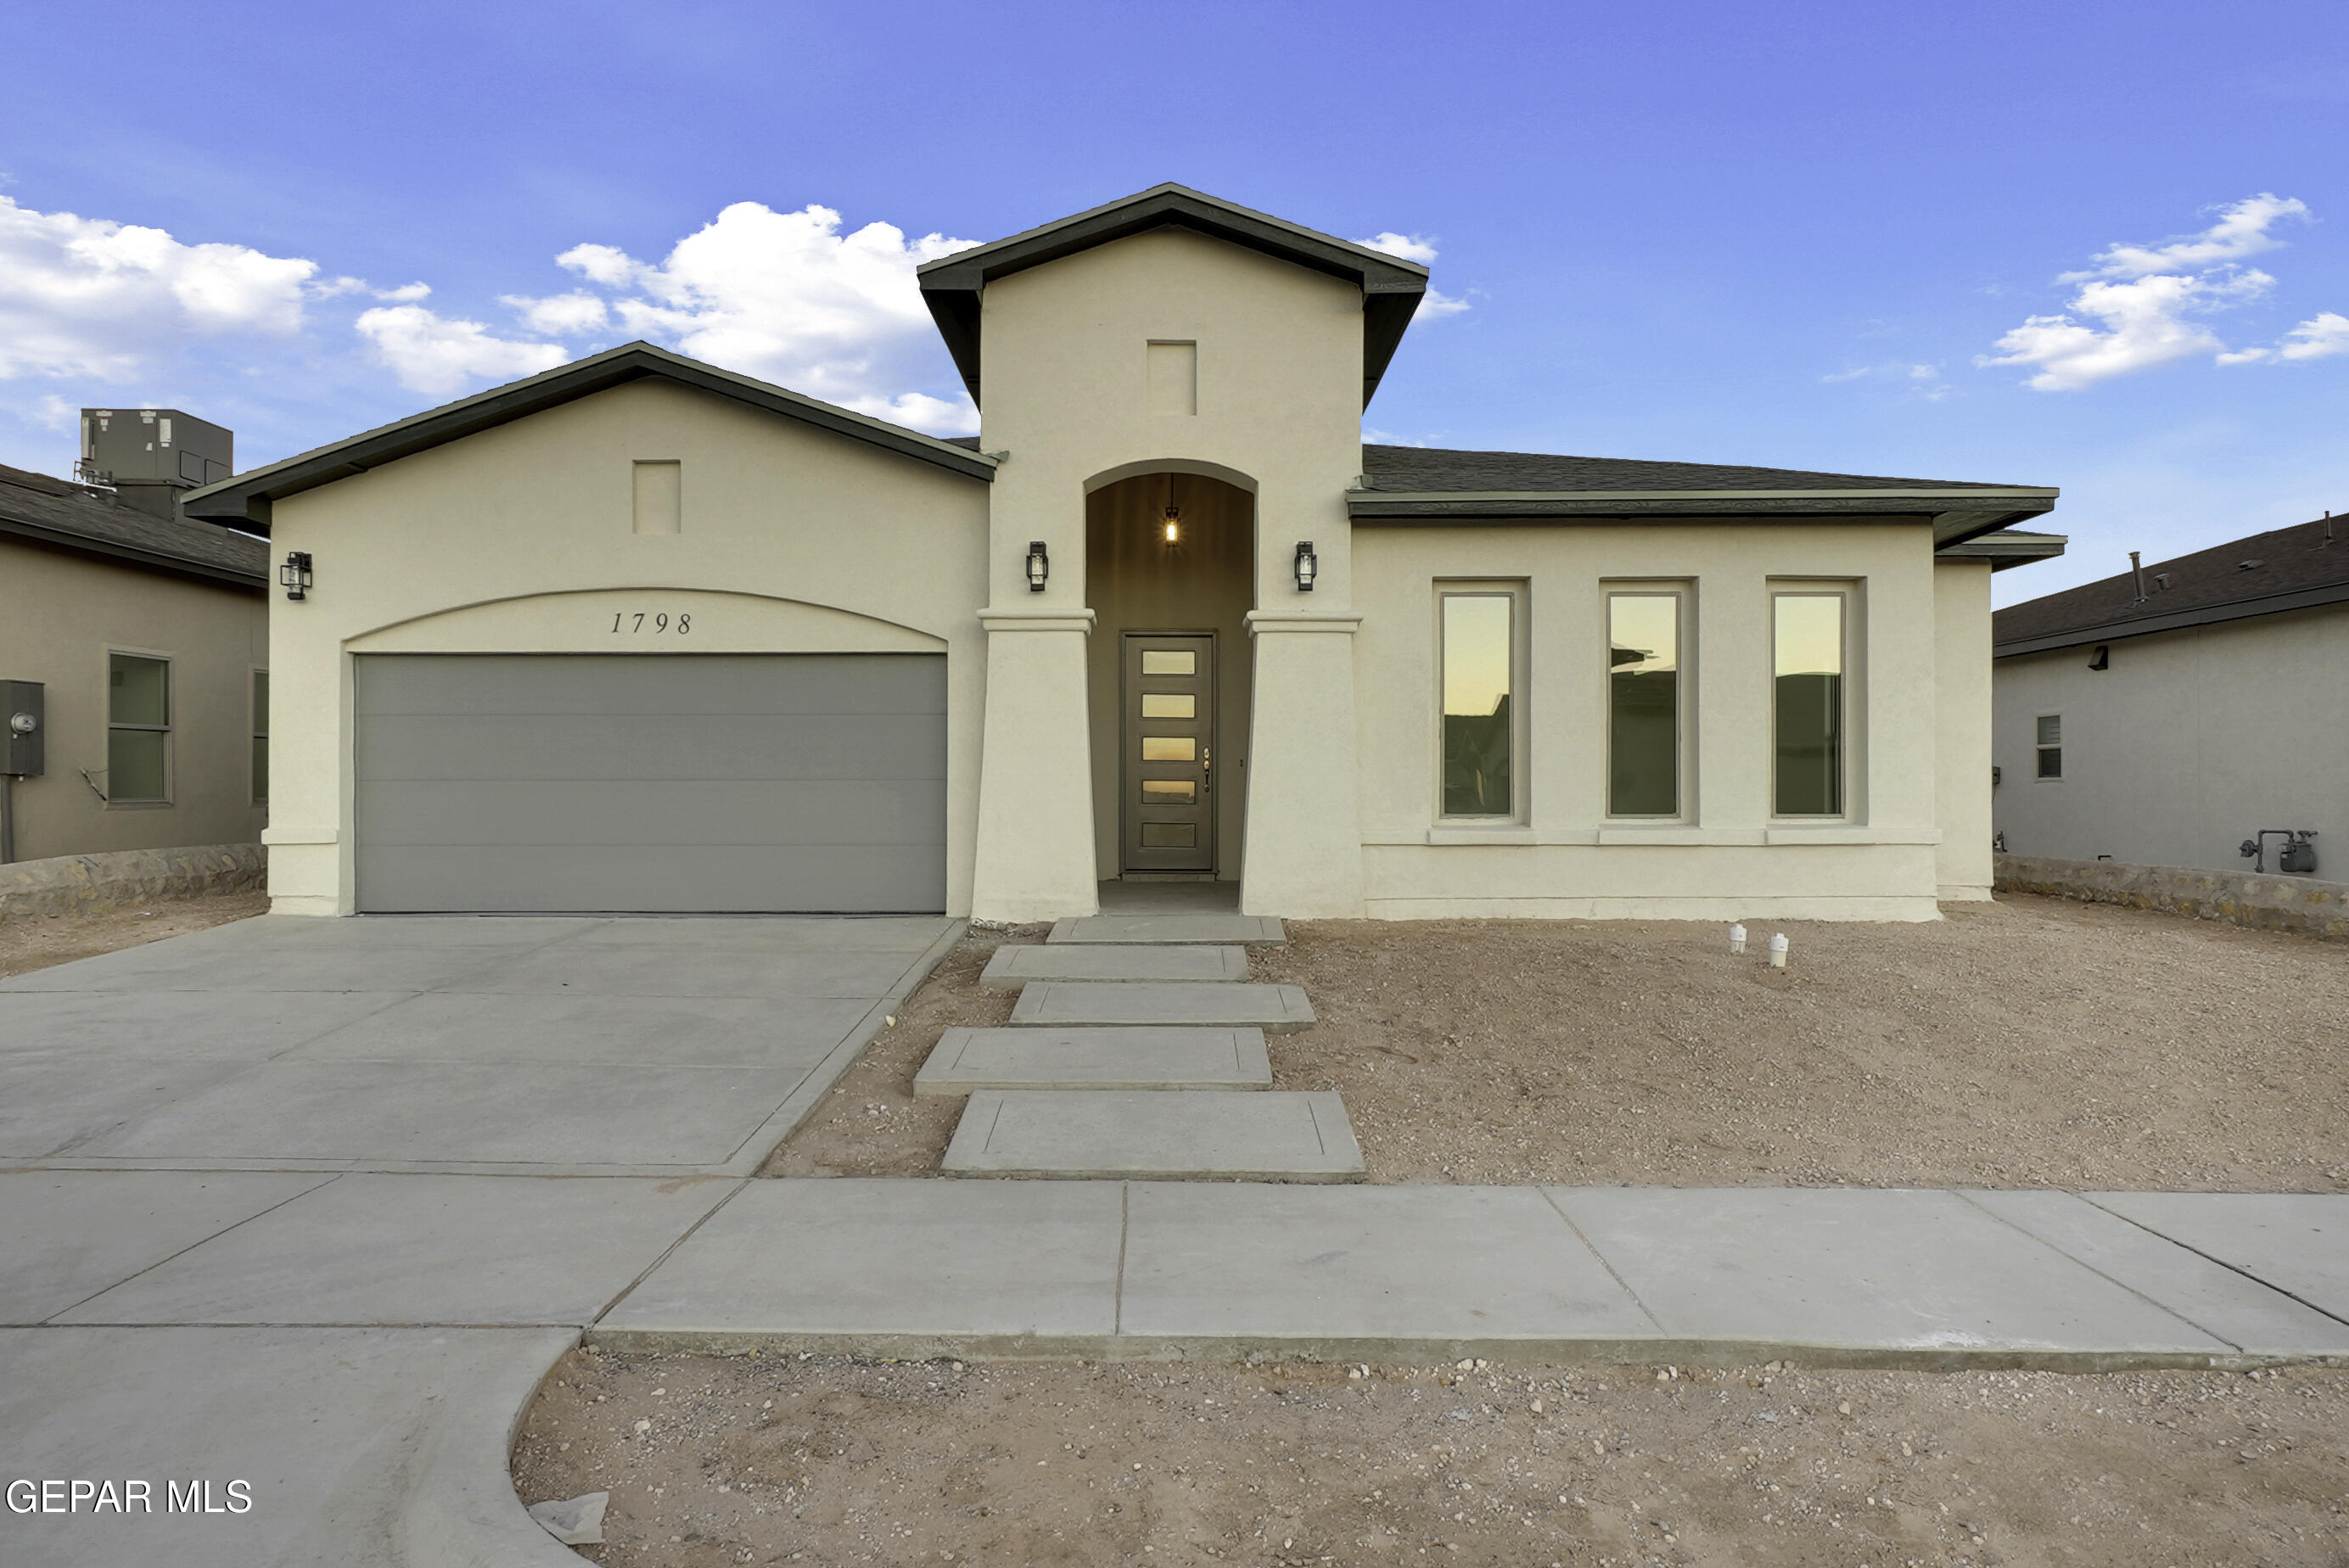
36	942
824	1460
2034	1042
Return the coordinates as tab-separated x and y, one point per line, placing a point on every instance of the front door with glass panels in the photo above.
1167	819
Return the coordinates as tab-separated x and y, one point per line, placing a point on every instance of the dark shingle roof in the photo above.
1420	469
35	506
2283	568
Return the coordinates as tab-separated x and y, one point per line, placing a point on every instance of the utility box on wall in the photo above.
23	726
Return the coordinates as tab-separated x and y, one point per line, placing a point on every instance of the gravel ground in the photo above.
36	942
2032	1042
749	1460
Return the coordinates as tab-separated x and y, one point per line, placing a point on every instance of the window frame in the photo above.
1850	768
257	727
1683	592
2040	749
167	728
1517	591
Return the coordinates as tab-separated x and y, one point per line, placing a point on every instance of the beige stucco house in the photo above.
639	633
2170	714
135	646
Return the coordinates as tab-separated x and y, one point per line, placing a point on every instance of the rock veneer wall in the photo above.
89	884
2273	903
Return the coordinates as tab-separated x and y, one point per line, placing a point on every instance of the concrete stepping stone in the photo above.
1154	1134
967	1059
1275	1009
1145	929
1011	968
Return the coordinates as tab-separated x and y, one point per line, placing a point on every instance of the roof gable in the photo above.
245	501
1392	287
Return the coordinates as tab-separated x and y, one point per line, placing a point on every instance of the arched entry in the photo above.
1169	571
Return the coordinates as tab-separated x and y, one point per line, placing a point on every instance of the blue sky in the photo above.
1716	233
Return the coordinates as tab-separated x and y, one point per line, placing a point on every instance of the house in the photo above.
134	660
2169	713
640	633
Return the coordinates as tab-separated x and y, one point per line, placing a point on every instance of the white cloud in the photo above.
438	356
2139	306
2241	231
785	296
1410	247
406	293
558	315
1435	304
93	298
2320	337
1922	381
56	412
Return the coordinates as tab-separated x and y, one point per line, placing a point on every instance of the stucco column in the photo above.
1304	854
1035	848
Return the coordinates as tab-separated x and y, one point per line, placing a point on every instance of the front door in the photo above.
1168	701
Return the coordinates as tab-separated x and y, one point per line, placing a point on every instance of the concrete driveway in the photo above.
590	1046
312	1204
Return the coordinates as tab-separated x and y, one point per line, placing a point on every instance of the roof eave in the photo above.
1957	515
2202	615
245	501
131	555
2003	549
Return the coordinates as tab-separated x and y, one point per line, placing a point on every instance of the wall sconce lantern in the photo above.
1040	566
1173	531
1308	566
295	574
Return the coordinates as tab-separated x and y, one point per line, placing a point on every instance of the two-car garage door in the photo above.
651	782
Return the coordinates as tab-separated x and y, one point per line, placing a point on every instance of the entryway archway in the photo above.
1169	575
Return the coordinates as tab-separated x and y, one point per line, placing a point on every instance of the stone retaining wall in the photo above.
88	884
2274	902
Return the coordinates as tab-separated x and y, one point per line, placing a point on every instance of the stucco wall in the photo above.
1728	856
2187	745
61	616
1065	390
1962	716
793	540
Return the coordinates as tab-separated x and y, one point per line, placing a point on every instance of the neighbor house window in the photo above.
1809	721
261	737
1480	631
137	729
2050	746
1643	703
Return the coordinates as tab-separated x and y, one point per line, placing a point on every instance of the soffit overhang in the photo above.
1956	515
1392	287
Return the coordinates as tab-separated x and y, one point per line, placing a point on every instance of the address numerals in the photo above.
651	623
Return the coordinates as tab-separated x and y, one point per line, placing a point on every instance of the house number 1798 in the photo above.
655	622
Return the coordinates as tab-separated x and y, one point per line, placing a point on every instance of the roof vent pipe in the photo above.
2136	572
2328	532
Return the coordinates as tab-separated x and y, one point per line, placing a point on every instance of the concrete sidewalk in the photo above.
1828	1276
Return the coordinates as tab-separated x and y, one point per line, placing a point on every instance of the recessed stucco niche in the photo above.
645	621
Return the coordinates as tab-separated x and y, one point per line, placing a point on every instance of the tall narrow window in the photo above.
1810	705
1479	682
261	737
2050	746
137	729
1644	704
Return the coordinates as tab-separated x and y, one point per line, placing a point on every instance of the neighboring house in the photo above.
2164	715
640	633
147	636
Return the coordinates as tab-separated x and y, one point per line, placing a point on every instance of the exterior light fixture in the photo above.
295	574
1040	566
1309	566
1173	533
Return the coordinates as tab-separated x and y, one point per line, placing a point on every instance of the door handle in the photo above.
1207	770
